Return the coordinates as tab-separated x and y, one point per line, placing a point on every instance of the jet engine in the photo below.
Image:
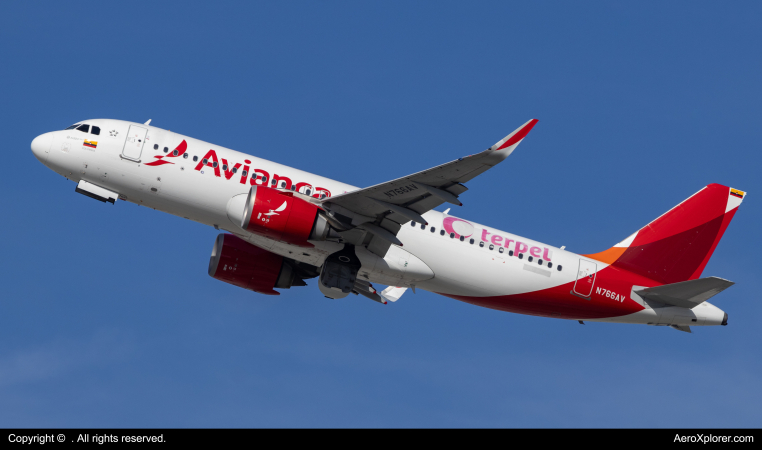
239	263
283	217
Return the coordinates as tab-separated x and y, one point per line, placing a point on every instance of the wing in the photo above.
372	216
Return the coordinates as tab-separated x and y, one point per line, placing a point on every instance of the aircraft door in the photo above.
585	278
133	145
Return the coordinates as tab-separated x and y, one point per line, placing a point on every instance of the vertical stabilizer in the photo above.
677	246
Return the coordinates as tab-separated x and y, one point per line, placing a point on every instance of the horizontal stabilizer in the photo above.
686	294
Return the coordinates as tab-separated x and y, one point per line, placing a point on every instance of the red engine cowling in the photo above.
279	215
239	263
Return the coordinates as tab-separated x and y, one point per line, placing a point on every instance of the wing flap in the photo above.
393	293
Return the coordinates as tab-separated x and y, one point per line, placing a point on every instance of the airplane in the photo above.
283	226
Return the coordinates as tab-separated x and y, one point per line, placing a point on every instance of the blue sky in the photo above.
107	315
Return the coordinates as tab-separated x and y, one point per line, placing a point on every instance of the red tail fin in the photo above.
677	246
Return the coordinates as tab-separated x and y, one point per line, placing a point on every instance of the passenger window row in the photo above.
491	247
174	152
85	128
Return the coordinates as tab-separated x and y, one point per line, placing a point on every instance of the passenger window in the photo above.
530	259
195	158
510	253
559	268
471	242
539	261
452	235
521	256
224	166
166	149
175	153
433	229
491	247
412	224
462	238
83	128
244	173
283	184
264	179
423	226
235	170
501	250
481	244
550	265
441	232
205	161
95	130
274	182
185	156
155	146
293	187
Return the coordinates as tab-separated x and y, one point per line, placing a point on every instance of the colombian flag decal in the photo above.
733	192
91	144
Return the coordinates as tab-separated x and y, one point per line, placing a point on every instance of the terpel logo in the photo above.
459	227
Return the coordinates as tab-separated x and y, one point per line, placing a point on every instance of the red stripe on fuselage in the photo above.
560	303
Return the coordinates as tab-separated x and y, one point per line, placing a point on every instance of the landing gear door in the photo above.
585	278
133	145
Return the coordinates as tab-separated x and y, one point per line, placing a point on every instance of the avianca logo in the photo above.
255	177
460	227
274	211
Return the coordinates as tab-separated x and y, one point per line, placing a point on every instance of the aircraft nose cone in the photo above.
41	146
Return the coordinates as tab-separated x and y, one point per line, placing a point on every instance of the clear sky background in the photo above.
109	319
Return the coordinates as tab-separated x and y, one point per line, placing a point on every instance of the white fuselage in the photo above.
213	196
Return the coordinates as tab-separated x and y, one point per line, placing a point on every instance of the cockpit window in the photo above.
84	128
95	130
73	126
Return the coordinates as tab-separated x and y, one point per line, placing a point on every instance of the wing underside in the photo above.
371	217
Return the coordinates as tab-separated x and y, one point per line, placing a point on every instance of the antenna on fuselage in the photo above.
147	123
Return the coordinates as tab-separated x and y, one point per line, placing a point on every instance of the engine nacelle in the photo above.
239	263
283	217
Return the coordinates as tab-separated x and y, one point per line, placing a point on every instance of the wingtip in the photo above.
519	134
